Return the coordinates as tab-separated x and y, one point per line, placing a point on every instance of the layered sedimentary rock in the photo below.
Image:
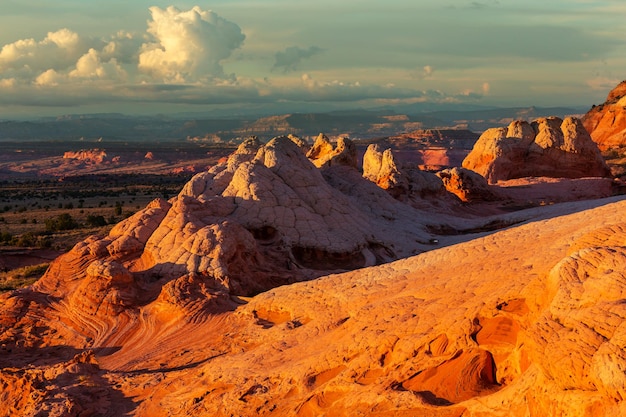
548	147
467	185
607	122
264	217
93	156
324	154
402	181
182	310
451	332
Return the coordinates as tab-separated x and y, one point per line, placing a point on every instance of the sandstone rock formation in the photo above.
549	147
607	122
467	185
402	181
430	149
183	309
92	156
451	332
324	154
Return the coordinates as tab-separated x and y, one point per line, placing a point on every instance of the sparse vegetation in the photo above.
86	205
21	277
95	221
61	222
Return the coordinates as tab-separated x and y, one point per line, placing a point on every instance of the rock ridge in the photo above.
547	147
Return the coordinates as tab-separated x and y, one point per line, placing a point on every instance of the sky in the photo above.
144	57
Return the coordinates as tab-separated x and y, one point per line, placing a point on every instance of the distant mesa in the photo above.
91	156
547	147
432	138
607	122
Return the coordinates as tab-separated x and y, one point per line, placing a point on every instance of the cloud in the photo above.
181	59
483	5
179	46
602	83
91	66
124	47
188	45
422	73
312	90
49	78
57	51
289	59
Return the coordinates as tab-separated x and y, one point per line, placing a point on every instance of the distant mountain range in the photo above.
357	124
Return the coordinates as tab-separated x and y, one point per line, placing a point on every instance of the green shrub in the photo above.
61	222
95	221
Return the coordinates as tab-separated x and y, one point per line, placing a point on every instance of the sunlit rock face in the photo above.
184	308
467	185
403	181
324	154
456	331
93	156
607	122
265	217
547	147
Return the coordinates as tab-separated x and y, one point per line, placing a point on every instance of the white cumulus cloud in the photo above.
49	78
91	66
188	45
57	51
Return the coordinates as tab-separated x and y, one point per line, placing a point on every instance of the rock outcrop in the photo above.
92	156
401	181
548	147
183	308
467	185
324	154
451	332
264	217
607	122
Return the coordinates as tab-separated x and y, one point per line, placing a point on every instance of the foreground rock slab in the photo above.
525	321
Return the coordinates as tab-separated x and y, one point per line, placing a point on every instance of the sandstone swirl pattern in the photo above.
182	310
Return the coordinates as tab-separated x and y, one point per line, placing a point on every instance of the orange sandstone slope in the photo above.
166	316
490	327
526	321
607	122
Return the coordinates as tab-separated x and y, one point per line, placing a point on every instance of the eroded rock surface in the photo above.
324	154
467	185
401	181
93	156
607	122
548	147
182	310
